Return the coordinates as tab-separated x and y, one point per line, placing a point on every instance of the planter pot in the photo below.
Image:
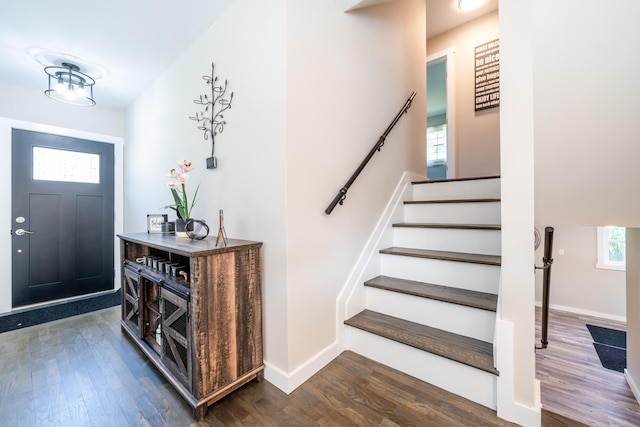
181	227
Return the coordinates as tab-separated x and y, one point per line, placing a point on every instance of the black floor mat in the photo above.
608	336
37	316
614	358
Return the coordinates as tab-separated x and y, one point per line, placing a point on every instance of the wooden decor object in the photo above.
202	327
222	234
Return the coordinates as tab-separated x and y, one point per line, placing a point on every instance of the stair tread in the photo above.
444	255
466	350
427	181
444	225
427	202
465	297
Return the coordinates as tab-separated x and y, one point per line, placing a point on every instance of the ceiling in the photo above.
443	15
126	44
123	44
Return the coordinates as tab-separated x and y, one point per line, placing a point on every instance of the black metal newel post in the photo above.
546	277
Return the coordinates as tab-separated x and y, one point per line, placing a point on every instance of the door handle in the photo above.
21	232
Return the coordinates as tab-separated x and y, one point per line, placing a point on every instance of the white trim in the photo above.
349	5
632	385
610	267
601	244
449	55
503	348
288	382
529	416
351	299
583	312
507	407
6	125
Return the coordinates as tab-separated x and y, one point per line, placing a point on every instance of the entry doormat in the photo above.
22	319
611	347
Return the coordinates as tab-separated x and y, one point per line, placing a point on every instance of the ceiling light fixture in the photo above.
467	5
70	85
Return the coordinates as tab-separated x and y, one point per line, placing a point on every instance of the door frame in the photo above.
6	125
449	55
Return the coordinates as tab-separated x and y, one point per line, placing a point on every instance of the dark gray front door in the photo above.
62	217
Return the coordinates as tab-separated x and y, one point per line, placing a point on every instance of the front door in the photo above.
62	217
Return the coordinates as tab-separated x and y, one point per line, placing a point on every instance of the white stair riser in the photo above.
470	383
476	277
486	242
453	213
477	189
461	320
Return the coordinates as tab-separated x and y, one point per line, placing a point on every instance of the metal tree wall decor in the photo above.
211	121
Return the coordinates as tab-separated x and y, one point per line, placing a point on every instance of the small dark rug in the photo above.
614	358
22	319
608	336
611	347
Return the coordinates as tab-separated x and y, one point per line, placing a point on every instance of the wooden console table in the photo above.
202	327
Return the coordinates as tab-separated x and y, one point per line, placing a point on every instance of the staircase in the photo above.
432	311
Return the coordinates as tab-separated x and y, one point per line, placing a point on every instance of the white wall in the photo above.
348	75
248	46
477	134
576	285
517	295
33	106
586	112
632	373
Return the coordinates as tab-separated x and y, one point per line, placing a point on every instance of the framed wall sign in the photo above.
487	75
155	221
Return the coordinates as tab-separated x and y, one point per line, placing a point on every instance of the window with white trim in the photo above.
436	145
611	248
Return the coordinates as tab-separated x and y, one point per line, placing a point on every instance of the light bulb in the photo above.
70	94
80	91
60	88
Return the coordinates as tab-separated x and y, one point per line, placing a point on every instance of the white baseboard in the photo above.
276	376
528	416
288	382
352	299
584	312
632	385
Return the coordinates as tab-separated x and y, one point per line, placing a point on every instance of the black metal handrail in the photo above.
342	194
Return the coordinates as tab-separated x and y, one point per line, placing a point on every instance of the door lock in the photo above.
21	232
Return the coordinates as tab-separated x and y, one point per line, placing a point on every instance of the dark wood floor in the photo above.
82	371
574	383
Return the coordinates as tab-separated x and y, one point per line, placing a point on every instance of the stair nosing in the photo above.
438	201
496	227
459	296
477	178
429	339
495	260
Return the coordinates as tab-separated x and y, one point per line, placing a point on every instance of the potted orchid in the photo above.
179	192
